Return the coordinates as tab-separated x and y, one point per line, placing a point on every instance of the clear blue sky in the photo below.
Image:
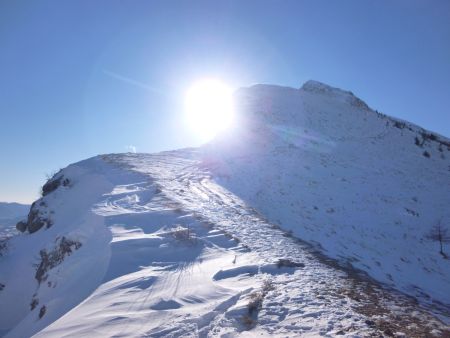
81	78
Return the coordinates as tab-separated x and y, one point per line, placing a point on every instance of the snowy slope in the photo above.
158	267
40	271
188	243
164	251
366	188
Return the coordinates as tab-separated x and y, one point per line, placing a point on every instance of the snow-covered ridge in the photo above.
324	89
365	187
201	242
333	113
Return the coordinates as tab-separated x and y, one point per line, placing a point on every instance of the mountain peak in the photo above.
317	87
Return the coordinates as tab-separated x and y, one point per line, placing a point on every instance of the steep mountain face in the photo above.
44	272
367	189
202	242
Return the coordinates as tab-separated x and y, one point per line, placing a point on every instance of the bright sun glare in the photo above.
209	108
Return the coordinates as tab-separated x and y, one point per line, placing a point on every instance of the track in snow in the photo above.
322	297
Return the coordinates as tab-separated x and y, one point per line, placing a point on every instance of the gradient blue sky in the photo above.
81	78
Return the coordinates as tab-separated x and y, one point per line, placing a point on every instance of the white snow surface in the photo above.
138	274
320	163
182	243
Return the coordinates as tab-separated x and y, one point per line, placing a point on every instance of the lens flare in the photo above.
209	108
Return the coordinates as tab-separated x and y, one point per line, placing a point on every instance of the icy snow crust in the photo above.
196	243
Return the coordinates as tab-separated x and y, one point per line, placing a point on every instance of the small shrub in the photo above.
441	234
426	154
267	286
255	303
181	233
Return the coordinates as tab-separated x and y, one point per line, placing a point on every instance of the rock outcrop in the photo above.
38	217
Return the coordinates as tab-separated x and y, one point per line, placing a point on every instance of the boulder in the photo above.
21	226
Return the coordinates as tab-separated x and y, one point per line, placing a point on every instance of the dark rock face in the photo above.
37	218
54	183
38	215
51	185
37	221
49	260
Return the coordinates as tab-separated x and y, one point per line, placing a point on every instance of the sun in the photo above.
209	108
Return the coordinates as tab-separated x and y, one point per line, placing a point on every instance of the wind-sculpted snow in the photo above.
310	296
188	258
252	235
